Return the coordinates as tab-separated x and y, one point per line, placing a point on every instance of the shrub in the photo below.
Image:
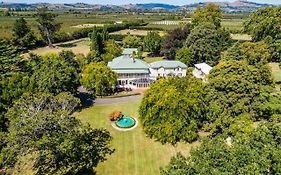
115	115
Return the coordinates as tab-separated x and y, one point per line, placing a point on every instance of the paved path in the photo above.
102	101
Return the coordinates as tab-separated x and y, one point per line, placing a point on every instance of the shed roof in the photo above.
168	64
205	68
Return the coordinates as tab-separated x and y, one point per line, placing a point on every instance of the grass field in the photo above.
276	71
136	32
80	46
152	59
69	21
242	37
135	154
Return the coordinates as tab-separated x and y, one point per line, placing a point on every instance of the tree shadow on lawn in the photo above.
87	100
67	45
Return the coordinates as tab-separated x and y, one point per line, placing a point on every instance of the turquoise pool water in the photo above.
125	122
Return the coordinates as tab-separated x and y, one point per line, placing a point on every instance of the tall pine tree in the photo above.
9	58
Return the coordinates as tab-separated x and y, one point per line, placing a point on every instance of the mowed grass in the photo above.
241	37
81	46
276	71
136	32
135	154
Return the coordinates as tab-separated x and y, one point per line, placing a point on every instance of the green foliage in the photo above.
233	89
153	42
131	41
276	50
139	53
255	153
11	89
206	43
184	55
173	41
47	24
41	125
256	54
172	110
98	78
253	53
6	13
55	74
210	14
22	34
97	42
271	106
112	50
263	23
9	59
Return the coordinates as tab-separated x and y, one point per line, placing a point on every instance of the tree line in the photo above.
238	106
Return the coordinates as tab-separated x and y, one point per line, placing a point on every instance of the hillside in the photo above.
237	6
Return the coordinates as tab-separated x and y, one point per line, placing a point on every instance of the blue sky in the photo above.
118	2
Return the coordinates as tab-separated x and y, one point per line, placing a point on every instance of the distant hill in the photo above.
152	6
237	6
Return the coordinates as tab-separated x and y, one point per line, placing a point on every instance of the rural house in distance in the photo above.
135	73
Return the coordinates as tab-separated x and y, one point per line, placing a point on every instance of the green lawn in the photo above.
276	71
135	154
149	59
81	46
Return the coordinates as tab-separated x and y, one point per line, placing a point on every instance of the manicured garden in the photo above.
135	153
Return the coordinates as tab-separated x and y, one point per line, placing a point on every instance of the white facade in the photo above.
135	73
201	71
167	72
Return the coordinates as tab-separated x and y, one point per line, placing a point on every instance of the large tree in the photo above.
234	88
9	58
42	125
173	41
131	41
263	23
22	34
206	43
210	14
11	89
153	42
256	54
254	153
55	74
99	78
47	24
97	43
112	50
184	55
172	110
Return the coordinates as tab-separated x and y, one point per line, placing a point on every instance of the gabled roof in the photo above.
168	64
205	68
126	64
129	51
